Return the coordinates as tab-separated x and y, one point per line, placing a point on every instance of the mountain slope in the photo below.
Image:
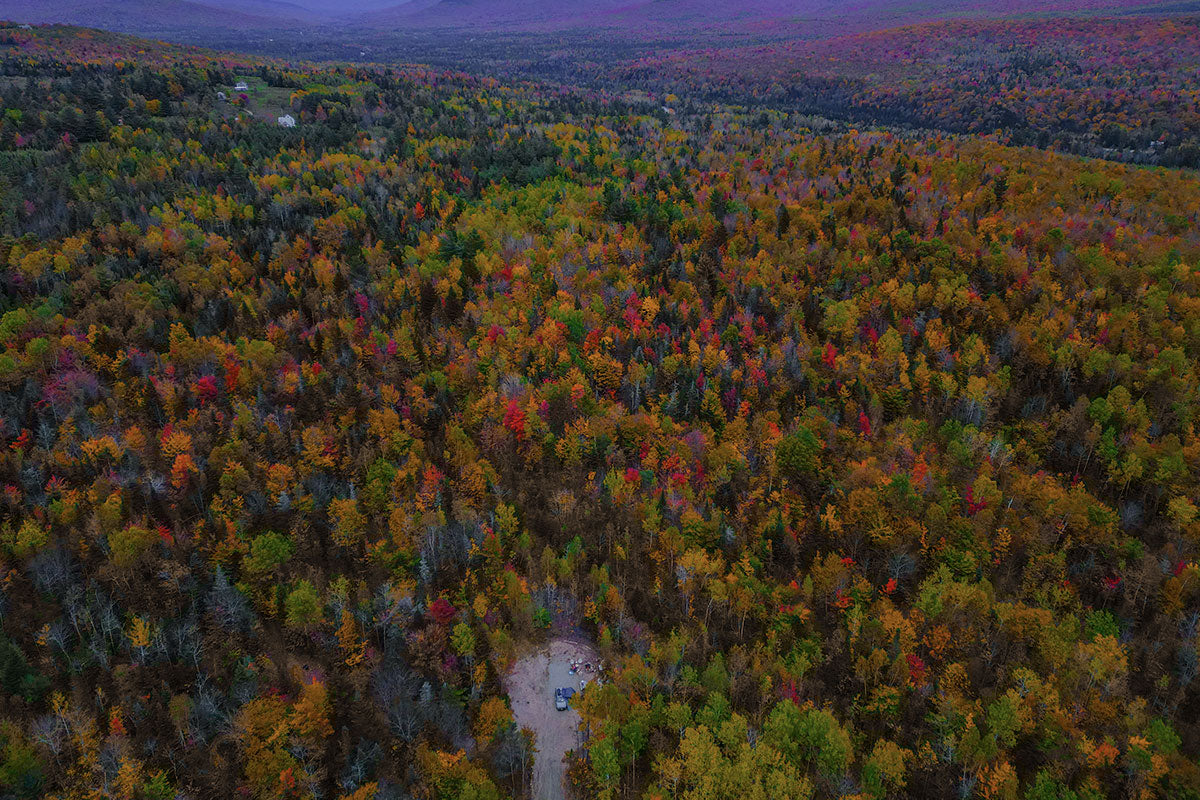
158	15
692	14
805	19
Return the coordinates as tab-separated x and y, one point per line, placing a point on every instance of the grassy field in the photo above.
262	101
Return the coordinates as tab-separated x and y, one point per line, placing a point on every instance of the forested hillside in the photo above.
1124	89
868	460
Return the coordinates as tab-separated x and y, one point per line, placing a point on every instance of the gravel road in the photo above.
530	684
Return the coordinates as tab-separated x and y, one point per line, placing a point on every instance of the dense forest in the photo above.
1124	89
867	458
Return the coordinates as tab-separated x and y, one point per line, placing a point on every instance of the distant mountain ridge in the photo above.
142	15
537	14
805	18
137	16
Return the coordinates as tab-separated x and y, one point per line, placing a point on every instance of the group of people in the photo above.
586	666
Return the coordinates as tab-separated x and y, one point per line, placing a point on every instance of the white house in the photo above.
287	121
241	86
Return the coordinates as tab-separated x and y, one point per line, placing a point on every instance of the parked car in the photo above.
560	700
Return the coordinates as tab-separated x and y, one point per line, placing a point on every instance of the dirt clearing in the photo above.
530	684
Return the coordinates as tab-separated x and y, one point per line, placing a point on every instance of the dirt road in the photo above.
530	684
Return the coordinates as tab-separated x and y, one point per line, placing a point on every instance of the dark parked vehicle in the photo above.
561	696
